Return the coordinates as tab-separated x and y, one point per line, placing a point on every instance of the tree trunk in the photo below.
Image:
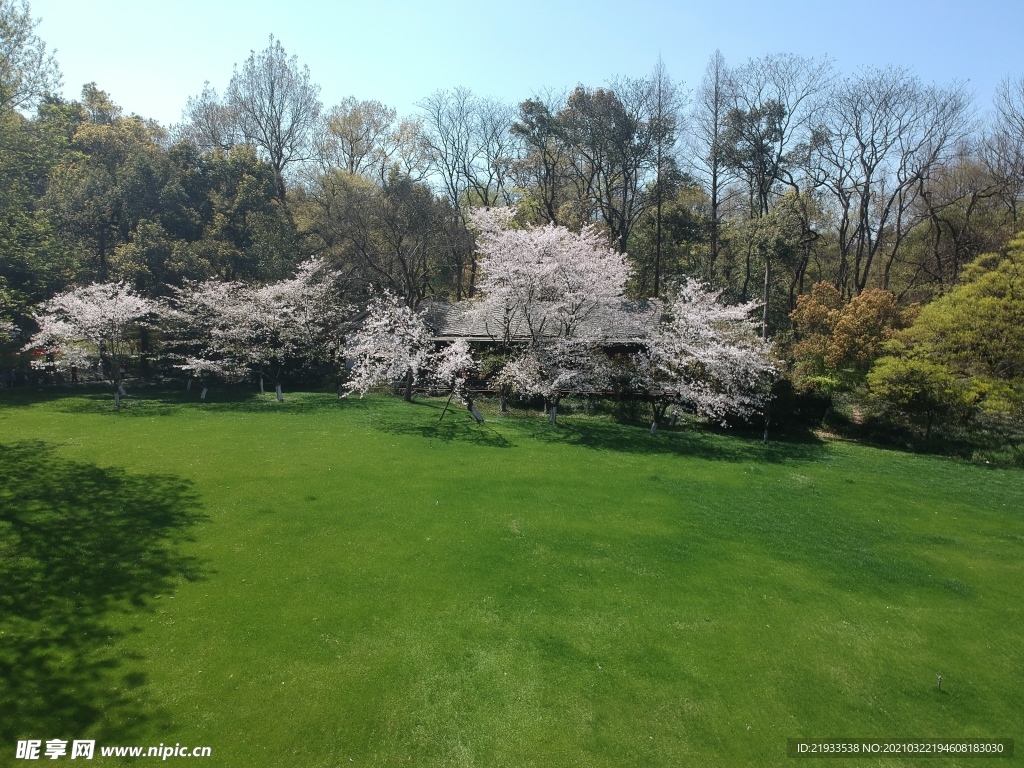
262	391
408	387
340	395
202	395
767	295
144	353
657	414
117	398
657	249
746	275
188	386
503	403
472	276
280	397
714	222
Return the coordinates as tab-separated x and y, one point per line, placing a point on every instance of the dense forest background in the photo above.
872	214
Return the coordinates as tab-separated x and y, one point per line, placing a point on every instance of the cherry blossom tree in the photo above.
449	367
393	344
707	357
96	327
556	367
298	318
201	334
230	330
540	289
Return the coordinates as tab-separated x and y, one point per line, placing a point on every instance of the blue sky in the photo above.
151	56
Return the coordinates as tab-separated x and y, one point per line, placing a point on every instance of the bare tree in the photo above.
666	102
27	70
956	204
366	137
470	151
354	136
707	121
886	135
406	151
276	106
775	104
469	146
448	139
207	122
498	148
1002	149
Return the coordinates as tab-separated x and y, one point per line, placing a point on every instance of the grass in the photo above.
314	582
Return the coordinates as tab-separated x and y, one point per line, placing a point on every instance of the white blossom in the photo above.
93	327
392	344
8	331
230	330
451	365
546	280
707	356
540	286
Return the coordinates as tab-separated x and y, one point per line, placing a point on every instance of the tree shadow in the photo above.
26	397
603	434
456	426
170	402
79	545
599	433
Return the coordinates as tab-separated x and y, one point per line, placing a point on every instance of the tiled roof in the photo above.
619	322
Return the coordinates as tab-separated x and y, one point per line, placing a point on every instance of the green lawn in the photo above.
314	582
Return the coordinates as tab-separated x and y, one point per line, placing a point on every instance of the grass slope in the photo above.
314	582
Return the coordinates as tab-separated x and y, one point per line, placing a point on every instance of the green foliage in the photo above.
965	350
27	70
35	262
138	211
107	182
921	389
750	145
249	234
684	230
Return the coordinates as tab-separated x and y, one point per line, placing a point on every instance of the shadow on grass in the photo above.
80	544
597	433
601	434
456	426
998	444
149	401
24	397
419	418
